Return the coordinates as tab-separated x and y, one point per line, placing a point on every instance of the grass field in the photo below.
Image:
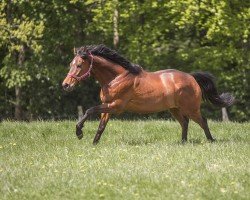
134	160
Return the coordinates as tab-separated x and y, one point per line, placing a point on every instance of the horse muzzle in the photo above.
67	87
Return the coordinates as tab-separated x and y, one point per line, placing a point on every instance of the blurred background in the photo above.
37	38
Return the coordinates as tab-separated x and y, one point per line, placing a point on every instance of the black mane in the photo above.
107	53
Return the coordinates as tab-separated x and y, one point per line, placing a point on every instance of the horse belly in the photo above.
144	107
156	102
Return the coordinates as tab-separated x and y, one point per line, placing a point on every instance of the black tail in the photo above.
209	91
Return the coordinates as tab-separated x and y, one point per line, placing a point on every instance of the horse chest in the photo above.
106	97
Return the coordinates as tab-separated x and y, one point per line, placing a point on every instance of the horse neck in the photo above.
105	71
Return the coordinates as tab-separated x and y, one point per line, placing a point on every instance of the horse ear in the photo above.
88	53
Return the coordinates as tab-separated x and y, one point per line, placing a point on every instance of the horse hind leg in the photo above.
202	121
183	120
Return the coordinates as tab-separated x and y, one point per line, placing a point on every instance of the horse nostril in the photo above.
65	86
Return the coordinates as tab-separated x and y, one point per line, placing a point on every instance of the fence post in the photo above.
80	112
224	114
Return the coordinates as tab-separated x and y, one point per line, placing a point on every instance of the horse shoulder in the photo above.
117	88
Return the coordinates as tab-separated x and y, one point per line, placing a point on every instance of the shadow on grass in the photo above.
197	141
191	141
142	141
229	140
204	141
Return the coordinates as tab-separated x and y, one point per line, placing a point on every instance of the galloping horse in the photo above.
127	87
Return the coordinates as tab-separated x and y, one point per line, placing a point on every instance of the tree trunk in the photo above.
18	108
141	40
115	21
8	12
18	91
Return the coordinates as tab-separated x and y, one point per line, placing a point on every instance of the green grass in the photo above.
134	160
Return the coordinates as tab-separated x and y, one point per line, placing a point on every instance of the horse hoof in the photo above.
79	133
95	142
183	141
80	136
212	140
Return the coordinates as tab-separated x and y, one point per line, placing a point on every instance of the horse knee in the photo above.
89	112
116	107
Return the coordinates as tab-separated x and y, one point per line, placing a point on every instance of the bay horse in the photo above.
127	87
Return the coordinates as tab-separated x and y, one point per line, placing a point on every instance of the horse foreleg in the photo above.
104	108
104	120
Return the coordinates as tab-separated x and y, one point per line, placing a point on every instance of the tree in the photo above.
37	38
21	31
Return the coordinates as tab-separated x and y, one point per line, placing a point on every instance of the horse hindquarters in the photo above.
188	97
209	93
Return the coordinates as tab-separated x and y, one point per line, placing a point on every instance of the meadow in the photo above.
134	160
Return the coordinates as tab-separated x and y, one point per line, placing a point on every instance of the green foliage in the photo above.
134	160
19	28
189	35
